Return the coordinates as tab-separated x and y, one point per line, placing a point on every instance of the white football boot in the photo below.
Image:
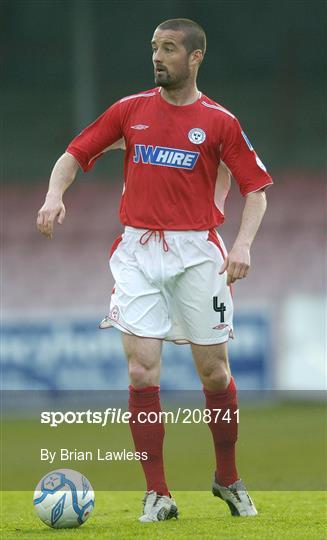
237	498
158	508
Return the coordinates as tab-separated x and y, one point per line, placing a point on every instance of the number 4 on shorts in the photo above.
221	308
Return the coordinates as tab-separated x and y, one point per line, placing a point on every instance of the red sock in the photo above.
224	433
148	437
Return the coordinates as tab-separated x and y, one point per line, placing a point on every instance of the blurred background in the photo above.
63	64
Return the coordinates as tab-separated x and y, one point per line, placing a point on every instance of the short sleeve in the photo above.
95	139
241	159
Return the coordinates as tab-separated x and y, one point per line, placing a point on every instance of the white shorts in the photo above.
168	286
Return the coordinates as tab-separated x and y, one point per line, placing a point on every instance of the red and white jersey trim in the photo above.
134	96
210	106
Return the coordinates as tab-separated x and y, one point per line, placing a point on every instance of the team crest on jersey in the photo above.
197	135
165	157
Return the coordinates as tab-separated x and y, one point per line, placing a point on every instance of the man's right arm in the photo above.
63	174
103	134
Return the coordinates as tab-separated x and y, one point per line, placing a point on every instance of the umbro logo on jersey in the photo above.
140	126
166	157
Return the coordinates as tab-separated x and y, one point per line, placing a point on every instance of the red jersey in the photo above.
171	160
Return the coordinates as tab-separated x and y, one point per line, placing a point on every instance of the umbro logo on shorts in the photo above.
220	326
165	157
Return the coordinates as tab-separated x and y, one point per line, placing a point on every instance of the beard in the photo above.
172	82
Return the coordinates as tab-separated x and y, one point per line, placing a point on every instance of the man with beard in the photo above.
172	272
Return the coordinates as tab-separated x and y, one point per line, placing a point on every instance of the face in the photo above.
172	65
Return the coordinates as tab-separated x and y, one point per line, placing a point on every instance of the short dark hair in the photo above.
195	37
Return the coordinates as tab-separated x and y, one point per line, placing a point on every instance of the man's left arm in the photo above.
237	263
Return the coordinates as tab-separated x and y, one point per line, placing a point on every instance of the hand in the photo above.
237	264
53	208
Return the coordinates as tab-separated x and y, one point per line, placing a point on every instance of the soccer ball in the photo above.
63	499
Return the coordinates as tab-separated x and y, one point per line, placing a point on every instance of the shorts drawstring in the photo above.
150	232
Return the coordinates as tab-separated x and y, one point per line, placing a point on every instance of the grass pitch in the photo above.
282	515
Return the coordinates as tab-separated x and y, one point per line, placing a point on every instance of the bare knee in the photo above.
143	362
142	374
216	378
212	365
137	374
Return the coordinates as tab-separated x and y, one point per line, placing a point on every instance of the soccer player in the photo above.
172	272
